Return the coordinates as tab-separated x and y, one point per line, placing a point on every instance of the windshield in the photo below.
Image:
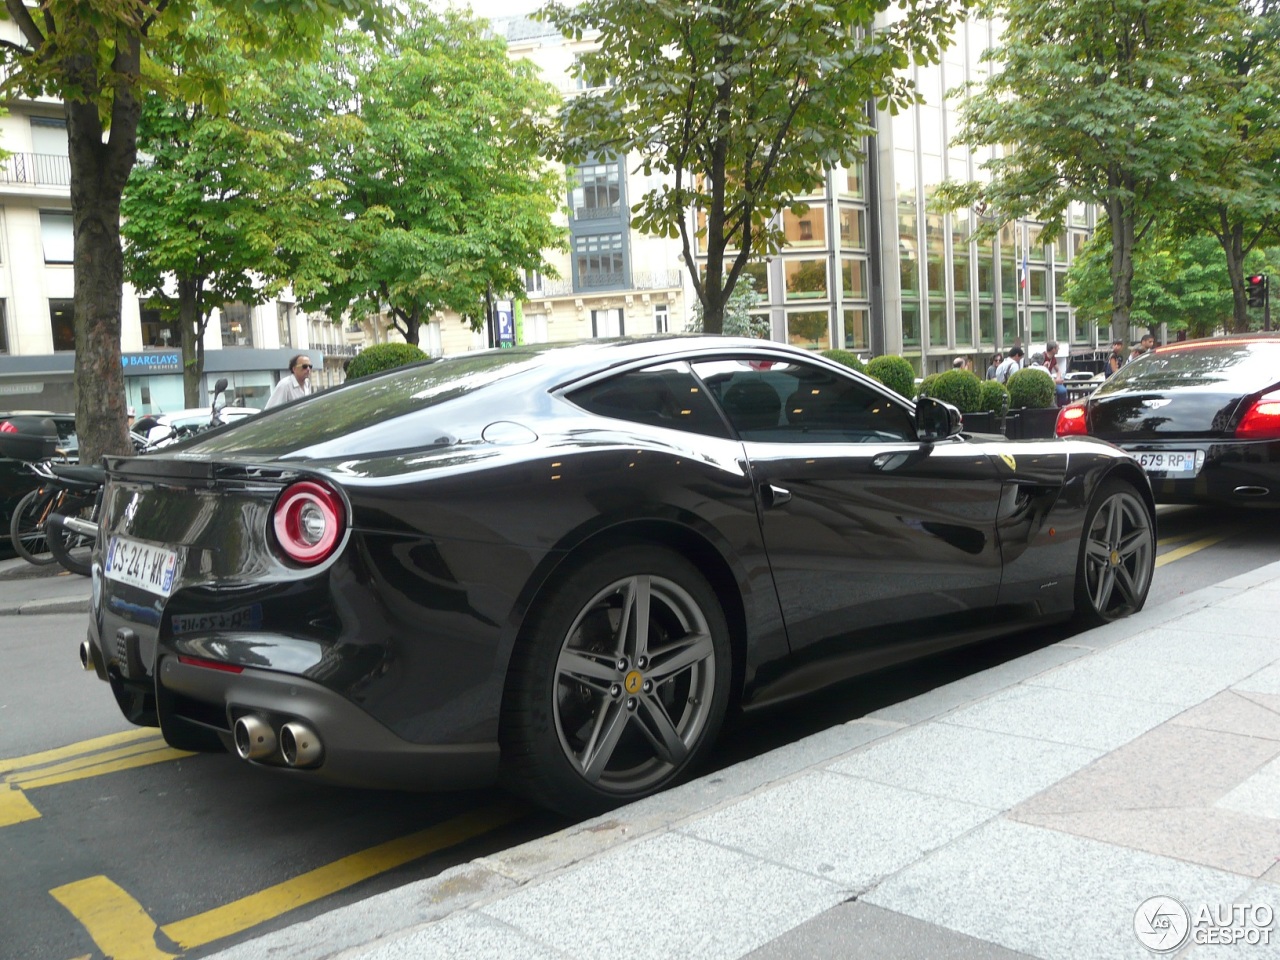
1243	365
368	403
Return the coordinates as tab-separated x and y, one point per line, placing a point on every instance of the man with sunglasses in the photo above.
293	387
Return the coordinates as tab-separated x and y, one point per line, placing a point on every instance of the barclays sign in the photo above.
153	361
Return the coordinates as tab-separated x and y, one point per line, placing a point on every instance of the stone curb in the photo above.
46	606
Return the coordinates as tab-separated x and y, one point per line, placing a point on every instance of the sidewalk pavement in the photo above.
26	589
1029	810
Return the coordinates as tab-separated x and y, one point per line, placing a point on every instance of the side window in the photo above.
784	402
663	396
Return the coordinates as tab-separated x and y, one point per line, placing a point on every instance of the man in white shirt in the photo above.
1010	365
293	387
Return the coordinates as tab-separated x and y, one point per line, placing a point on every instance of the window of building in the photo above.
809	329
533	281
1009	331
937	253
962	282
599	262
853	228
284	317
661	318
237	325
806	279
607	323
853	278
596	192
49	164
758	273
156	332
57	235
987	324
850	182
964	325
910	323
908	251
62	321
1039	325
857	324
938	325
808	229
1039	291
4	327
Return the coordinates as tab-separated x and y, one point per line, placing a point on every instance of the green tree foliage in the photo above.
383	356
738	320
1179	282
740	105
894	372
101	58
1094	98
1233	194
846	357
960	388
209	211
1031	387
429	144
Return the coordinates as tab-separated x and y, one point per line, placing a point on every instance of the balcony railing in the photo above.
38	169
598	213
593	282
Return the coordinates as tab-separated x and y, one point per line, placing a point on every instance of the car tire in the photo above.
1117	555
592	717
26	529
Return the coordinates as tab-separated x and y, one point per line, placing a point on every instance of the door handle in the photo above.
773	495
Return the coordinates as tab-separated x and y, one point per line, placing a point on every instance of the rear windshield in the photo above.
1244	366
366	404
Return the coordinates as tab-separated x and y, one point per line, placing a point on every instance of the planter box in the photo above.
985	422
1031	423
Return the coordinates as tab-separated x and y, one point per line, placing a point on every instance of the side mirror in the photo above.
219	388
936	420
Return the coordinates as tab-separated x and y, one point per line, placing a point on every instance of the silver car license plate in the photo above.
1176	462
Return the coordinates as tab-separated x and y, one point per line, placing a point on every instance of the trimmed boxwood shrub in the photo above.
894	372
960	388
1031	387
847	357
926	385
994	396
383	356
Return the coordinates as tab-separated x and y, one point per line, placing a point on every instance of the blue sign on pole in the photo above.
506	325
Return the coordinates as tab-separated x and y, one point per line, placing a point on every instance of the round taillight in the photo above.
309	519
1072	421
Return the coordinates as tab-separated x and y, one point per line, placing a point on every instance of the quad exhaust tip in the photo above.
300	745
255	740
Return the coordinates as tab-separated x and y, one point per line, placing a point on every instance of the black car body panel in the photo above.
467	497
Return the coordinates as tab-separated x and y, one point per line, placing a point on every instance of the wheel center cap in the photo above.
1115	558
633	682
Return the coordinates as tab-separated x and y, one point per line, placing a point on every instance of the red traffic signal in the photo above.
1258	289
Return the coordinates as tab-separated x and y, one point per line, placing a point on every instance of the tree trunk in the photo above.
191	332
1232	240
98	173
1121	268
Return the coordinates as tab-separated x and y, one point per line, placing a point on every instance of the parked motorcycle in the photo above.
61	516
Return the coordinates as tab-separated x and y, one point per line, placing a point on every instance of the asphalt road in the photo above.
105	832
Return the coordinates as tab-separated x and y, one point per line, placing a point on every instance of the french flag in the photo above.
1022	276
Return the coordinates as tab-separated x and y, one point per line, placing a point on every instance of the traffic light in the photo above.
1258	288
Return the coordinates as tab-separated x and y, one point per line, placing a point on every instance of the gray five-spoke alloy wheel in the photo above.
1117	555
619	683
634	683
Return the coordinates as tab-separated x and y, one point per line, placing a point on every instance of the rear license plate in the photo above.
244	618
1173	462
143	565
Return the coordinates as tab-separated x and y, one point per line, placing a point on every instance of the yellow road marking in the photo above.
15	807
77	749
1191	548
122	929
115	921
98	767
